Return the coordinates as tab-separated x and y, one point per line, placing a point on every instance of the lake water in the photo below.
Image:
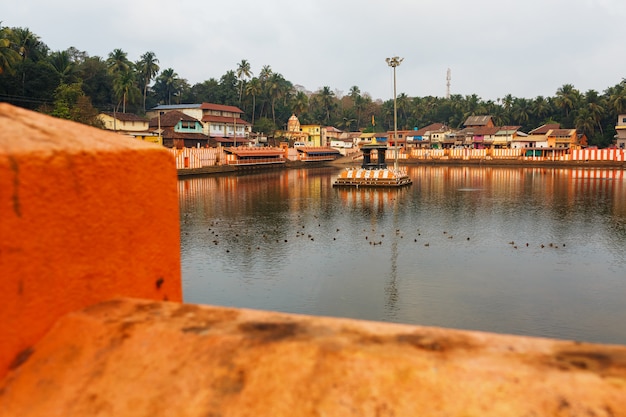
528	251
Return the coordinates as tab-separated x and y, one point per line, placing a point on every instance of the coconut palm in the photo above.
118	62
521	111
28	45
595	107
300	103
277	87
253	88
125	87
327	100
148	68
567	98
243	71
8	55
617	97
585	122
63	66
168	83
265	73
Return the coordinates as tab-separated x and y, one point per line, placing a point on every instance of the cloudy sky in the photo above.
492	47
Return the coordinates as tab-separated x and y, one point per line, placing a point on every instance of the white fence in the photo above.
190	158
598	155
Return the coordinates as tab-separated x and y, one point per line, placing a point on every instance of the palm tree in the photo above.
540	108
253	88
595	107
277	87
243	71
521	111
264	76
8	55
585	122
28	44
169	82
327	99
122	71
125	87
617	97
118	62
403	102
148	68
265	73
567	98
63	66
300	103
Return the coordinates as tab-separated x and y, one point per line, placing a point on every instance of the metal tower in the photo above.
448	79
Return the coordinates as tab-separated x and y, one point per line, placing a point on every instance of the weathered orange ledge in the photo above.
89	218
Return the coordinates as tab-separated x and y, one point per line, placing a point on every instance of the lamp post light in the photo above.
394	62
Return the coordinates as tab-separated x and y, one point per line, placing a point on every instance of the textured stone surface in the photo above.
139	358
85	216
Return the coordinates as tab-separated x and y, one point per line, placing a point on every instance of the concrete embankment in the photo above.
350	161
92	323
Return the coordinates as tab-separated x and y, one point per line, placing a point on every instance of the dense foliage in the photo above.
73	85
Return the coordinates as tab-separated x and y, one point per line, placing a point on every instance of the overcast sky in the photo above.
492	47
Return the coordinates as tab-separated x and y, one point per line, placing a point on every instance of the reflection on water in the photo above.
533	251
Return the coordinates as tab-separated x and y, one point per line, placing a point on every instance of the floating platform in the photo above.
361	177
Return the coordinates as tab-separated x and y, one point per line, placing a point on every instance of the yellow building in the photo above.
130	125
563	138
314	134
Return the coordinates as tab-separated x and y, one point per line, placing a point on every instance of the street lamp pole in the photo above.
394	62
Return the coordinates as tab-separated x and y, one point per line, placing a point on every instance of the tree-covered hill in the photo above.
74	85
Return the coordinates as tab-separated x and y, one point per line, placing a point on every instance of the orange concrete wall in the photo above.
85	215
140	358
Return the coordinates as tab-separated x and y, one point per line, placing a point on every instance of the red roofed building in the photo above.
179	130
222	123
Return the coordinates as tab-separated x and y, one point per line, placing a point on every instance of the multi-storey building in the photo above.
620	128
223	124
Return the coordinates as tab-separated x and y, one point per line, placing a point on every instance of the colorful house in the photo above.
314	134
430	136
129	124
505	136
223	124
562	139
179	130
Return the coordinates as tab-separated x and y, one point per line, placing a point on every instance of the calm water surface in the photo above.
530	251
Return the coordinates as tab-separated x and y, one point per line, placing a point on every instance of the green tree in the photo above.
584	122
300	103
326	98
617	98
64	66
97	82
521	111
65	98
8	55
243	72
595	107
265	126
168	84
253	88
540	108
567	98
148	68
277	88
228	89
118	62
125	88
